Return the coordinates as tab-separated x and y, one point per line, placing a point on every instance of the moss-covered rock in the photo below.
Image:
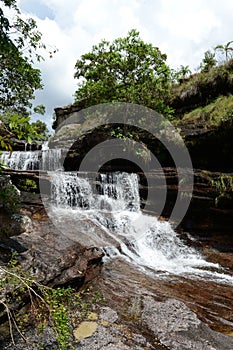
12	223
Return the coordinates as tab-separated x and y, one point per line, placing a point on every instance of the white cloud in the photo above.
182	29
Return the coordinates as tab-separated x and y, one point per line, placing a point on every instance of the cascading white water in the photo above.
46	159
21	160
106	212
51	159
107	193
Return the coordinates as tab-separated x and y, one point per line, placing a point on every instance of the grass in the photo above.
202	88
211	115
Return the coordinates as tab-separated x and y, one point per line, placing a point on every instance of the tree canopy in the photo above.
19	42
126	70
19	79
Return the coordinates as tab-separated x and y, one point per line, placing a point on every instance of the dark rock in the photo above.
13	225
54	259
209	147
12	222
179	328
212	148
62	113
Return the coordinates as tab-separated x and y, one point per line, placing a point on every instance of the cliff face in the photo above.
204	114
202	88
203	107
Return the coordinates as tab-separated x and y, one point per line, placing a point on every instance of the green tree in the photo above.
126	70
208	61
40	128
226	49
184	71
180	74
19	44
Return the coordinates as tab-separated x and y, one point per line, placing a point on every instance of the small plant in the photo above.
43	306
27	185
224	183
120	133
9	196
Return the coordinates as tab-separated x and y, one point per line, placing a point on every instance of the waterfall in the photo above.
46	159
105	211
108	193
51	158
21	160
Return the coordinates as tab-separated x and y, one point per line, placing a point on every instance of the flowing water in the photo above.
142	253
105	211
143	256
28	160
45	159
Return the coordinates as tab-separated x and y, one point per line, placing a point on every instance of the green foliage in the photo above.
223	183
58	308
209	61
4	144
178	75
58	301
225	50
126	70
122	134
39	109
212	115
19	44
40	128
184	72
27	185
9	196
21	127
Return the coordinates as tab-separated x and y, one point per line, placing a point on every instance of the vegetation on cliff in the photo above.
202	88
20	47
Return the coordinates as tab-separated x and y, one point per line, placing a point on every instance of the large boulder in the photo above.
12	222
179	328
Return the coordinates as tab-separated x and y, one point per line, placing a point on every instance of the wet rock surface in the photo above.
94	335
179	328
55	259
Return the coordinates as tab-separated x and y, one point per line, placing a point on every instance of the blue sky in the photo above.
182	29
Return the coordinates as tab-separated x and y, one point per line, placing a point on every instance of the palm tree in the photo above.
208	61
225	49
184	71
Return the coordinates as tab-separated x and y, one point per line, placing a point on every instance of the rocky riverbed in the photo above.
139	312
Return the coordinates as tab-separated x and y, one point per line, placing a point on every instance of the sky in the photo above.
182	29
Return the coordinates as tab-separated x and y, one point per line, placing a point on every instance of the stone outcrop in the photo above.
52	258
12	222
61	114
163	326
179	328
209	147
